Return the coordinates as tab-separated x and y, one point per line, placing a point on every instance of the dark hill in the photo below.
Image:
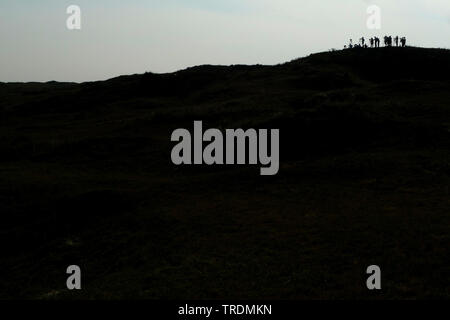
86	177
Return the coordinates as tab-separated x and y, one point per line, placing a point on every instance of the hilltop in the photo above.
86	177
325	98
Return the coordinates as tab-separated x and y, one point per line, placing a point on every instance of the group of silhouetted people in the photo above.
375	42
398	41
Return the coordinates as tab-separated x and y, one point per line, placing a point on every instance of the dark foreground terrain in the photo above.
86	178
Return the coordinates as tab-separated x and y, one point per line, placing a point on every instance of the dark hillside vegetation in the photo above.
86	178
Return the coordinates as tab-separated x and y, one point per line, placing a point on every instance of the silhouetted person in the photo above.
371	40
377	42
396	41
388	41
363	41
403	41
351	44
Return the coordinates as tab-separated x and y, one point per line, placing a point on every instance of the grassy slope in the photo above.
86	178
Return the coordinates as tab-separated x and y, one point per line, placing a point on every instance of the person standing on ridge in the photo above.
403	41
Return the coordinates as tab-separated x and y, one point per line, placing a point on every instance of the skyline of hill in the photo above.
86	178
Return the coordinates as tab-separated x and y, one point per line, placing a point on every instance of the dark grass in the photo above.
86	178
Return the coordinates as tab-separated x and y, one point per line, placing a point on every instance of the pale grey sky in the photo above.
135	36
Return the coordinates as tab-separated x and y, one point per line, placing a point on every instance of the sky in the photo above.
136	36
